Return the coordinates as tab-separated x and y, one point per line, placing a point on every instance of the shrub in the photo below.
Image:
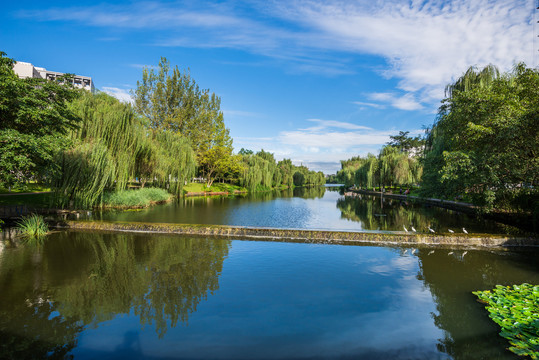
135	198
33	226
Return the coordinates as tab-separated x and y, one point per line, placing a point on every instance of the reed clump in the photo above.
135	198
33	227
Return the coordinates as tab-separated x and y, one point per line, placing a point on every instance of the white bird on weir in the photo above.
450	253
451	231
464	230
431	252
413	251
431	230
413	229
404	227
464	253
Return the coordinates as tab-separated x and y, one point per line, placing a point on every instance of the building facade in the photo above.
26	70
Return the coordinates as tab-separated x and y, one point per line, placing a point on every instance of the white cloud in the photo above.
402	102
321	147
369	104
426	44
337	124
120	94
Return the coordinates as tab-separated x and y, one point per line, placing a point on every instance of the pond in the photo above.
320	208
140	296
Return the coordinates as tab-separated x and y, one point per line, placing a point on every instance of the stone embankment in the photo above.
317	236
453	205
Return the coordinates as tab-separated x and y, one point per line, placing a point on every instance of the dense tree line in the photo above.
485	141
34	119
85	144
483	146
397	164
261	171
112	146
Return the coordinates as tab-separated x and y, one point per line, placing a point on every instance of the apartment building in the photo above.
26	70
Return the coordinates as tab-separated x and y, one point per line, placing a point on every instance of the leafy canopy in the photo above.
35	117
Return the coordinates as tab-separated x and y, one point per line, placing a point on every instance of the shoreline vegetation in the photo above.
86	146
482	148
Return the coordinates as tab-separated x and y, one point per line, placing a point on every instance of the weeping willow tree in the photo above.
473	78
253	174
260	171
367	174
483	145
394	165
286	168
174	161
107	144
113	146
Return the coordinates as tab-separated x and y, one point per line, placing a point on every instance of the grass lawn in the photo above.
216	187
27	188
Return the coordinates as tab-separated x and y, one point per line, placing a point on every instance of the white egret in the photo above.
464	230
431	252
451	231
413	229
464	253
431	230
450	253
404	227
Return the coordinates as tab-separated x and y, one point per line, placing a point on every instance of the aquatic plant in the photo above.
135	198
516	310
33	226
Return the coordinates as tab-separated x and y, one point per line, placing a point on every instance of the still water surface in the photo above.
140	296
318	208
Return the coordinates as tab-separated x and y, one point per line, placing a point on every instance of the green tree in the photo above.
113	146
35	118
172	101
485	142
406	143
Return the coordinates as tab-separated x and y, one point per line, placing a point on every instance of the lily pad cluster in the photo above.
516	309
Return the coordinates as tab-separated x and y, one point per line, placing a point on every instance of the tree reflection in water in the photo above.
469	332
76	279
375	213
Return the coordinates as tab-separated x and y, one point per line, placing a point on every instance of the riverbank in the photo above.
311	236
520	220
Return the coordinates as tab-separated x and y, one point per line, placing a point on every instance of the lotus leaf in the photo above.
516	310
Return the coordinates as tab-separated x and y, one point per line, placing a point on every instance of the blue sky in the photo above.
311	80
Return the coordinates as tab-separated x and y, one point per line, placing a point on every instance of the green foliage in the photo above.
34	121
406	143
485	142
299	178
245	152
516	310
33	227
112	146
395	165
474	78
172	102
135	198
262	173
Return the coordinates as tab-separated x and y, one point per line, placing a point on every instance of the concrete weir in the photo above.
317	236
